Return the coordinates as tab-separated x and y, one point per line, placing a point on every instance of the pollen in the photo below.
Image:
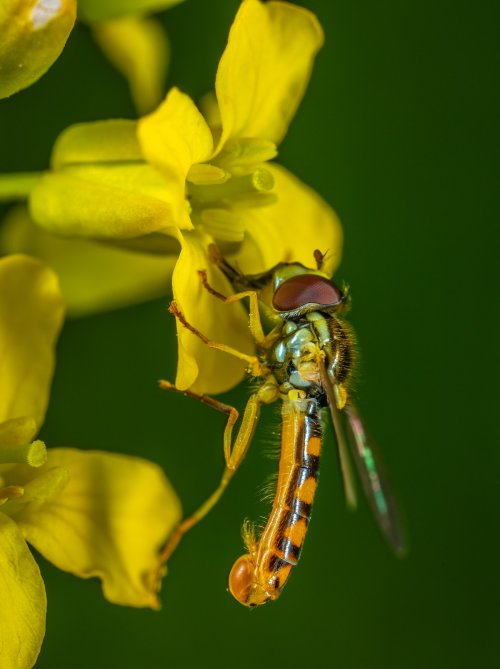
295	394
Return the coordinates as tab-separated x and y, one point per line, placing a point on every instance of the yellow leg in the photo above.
254	365
255	324
233	455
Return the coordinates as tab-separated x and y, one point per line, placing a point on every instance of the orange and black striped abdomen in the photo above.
300	483
280	544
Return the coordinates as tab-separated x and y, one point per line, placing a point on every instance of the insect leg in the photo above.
253	362
255	324
233	455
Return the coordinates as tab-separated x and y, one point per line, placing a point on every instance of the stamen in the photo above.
34	454
246	151
44	486
10	492
258	181
251	200
15	431
204	174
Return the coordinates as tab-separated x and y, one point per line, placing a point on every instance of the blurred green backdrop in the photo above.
397	132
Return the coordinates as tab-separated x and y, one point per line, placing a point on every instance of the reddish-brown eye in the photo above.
306	289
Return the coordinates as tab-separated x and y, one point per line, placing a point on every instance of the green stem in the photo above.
17	186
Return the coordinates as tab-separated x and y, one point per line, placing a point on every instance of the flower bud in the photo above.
32	35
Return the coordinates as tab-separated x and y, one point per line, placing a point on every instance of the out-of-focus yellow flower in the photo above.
136	44
139	48
90	513
32	35
104	10
94	277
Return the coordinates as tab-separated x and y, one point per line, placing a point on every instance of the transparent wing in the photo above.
348	482
373	480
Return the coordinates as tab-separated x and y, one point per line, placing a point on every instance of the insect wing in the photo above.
373	481
348	482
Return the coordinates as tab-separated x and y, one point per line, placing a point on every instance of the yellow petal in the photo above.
265	69
100	10
201	368
24	604
32	35
103	202
299	222
140	50
31	313
93	276
113	141
173	138
109	521
211	113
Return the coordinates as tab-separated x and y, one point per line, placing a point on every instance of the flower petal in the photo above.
140	50
299	222
94	277
113	141
265	69
31	314
109	521
100	10
33	34
24	603
103	202
173	138
201	368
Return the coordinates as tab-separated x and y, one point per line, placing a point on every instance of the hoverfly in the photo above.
305	361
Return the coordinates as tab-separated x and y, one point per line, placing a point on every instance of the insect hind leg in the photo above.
234	453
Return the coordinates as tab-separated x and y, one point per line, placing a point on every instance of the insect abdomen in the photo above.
269	563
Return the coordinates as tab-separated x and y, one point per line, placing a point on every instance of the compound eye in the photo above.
305	289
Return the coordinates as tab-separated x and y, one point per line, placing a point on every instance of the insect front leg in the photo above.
234	452
255	323
253	362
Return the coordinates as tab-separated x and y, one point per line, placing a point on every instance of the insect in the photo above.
305	361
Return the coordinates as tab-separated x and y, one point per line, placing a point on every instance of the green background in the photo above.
397	132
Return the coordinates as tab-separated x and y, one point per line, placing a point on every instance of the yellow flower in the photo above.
177	175
90	513
136	45
93	277
32	35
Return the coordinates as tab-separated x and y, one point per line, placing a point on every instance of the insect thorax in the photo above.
304	344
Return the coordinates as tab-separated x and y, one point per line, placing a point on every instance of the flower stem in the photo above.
17	185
